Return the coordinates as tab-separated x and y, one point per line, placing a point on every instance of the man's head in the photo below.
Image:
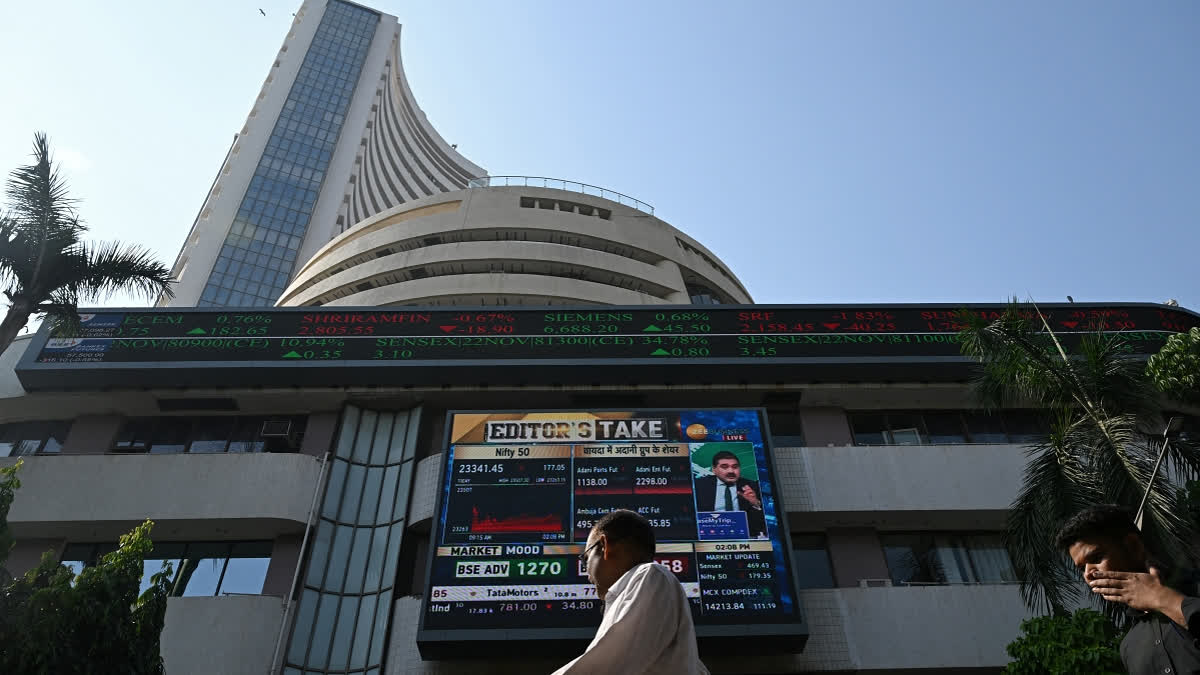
726	467
617	543
1103	538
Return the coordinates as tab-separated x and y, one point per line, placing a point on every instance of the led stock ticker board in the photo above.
354	344
521	492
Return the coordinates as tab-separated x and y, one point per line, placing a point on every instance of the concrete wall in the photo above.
932	626
231	635
9	385
92	434
226	496
897	487
27	553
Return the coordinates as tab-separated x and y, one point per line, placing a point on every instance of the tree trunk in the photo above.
14	321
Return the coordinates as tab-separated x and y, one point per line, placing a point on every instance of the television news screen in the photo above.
520	492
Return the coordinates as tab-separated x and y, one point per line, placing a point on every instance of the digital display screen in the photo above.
396	337
521	491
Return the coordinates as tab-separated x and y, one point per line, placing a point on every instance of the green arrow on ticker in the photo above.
292	355
197	331
651	329
660	352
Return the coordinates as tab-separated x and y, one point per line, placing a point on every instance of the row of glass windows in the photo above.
211	434
260	250
198	568
29	438
914	558
950	427
937	558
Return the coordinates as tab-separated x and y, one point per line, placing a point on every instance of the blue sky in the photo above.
827	151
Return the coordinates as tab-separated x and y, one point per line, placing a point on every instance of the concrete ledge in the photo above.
225	496
232	635
979	479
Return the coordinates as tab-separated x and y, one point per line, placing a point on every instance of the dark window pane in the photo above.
56	437
245	436
812	561
911	558
170	435
985	428
135	434
211	434
785	428
905	429
868	429
1025	426
318	654
302	630
945	428
989	559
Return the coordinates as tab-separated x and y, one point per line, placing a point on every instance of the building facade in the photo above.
334	136
306	490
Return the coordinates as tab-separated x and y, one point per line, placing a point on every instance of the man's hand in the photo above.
749	495
1140	591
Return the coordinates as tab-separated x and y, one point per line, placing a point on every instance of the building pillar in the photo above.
92	434
825	427
856	554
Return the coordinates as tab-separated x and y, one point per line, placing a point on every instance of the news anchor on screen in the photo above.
726	490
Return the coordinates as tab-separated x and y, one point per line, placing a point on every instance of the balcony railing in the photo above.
560	184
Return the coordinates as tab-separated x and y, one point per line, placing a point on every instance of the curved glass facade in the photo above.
343	610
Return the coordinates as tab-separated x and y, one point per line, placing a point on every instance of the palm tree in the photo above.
45	268
1104	419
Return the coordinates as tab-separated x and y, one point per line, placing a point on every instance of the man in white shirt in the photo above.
647	625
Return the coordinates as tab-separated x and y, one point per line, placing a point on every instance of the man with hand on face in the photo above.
1108	551
726	490
647	626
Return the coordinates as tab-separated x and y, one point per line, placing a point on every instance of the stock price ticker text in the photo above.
737	333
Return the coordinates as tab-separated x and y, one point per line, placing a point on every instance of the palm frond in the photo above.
113	266
1051	492
39	193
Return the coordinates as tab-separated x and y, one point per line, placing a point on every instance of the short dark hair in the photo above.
1109	521
725	454
621	525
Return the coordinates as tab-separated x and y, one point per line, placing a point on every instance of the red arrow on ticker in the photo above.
831	326
448	329
1070	324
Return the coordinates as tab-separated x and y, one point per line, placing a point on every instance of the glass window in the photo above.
203	567
29	438
905	428
912	559
1025	426
245	436
938	558
170	435
869	429
246	571
786	428
211	434
198	569
945	428
813	569
56	436
985	428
